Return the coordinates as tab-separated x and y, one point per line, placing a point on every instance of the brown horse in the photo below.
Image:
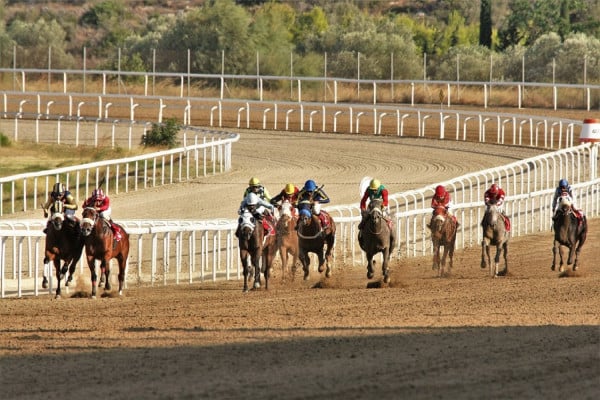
312	238
494	234
377	236
101	245
287	238
257	249
568	232
443	234
63	242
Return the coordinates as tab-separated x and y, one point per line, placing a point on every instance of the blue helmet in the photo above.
310	185
305	212
563	183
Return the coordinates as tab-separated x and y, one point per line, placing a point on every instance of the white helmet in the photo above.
251	199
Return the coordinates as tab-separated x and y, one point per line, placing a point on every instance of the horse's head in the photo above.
286	208
88	220
247	225
305	218
565	203
58	215
492	215
375	212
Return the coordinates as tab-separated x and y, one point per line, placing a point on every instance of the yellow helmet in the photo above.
290	188
254	181
374	185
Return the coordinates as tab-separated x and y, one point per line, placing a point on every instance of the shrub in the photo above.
164	134
4	140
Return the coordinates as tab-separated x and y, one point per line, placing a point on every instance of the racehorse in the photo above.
494	234
312	238
568	232
287	237
376	236
101	245
63	242
443	234
257	250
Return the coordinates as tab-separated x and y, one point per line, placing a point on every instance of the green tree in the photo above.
35	39
485	24
219	26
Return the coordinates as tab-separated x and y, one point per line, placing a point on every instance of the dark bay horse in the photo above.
494	234
375	237
568	232
101	245
287	238
257	250
63	242
312	238
443	234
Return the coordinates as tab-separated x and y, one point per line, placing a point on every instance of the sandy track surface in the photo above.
528	335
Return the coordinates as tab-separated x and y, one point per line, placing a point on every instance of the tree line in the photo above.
558	40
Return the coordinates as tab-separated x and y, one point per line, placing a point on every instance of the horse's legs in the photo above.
284	257
92	266
505	252
256	263
436	256
245	269
329	256
443	261
555	253
370	272
484	253
56	262
305	260
105	271
385	269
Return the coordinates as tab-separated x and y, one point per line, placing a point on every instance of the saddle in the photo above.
268	224
325	219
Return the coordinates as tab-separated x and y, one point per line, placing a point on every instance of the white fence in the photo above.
171	252
208	153
31	117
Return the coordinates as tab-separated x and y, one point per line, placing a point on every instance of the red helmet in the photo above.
98	194
494	188
440	191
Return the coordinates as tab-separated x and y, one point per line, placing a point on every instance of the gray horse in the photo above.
568	232
494	234
376	236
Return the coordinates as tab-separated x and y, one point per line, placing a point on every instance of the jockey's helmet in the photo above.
374	185
440	191
254	181
563	183
494	188
290	189
98	194
305	212
58	189
310	185
251	199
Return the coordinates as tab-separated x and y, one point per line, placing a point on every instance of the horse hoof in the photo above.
386	279
245	290
57	296
574	268
328	273
321	268
305	277
45	283
256	285
552	268
370	275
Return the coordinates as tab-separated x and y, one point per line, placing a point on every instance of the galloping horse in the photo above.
375	237
494	234
287	237
63	242
101	245
567	232
257	251
312	238
443	233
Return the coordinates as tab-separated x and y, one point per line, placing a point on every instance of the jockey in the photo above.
59	192
375	191
442	198
289	193
311	197
258	207
564	189
495	195
254	186
101	203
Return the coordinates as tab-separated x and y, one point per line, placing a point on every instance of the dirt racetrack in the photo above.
530	335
